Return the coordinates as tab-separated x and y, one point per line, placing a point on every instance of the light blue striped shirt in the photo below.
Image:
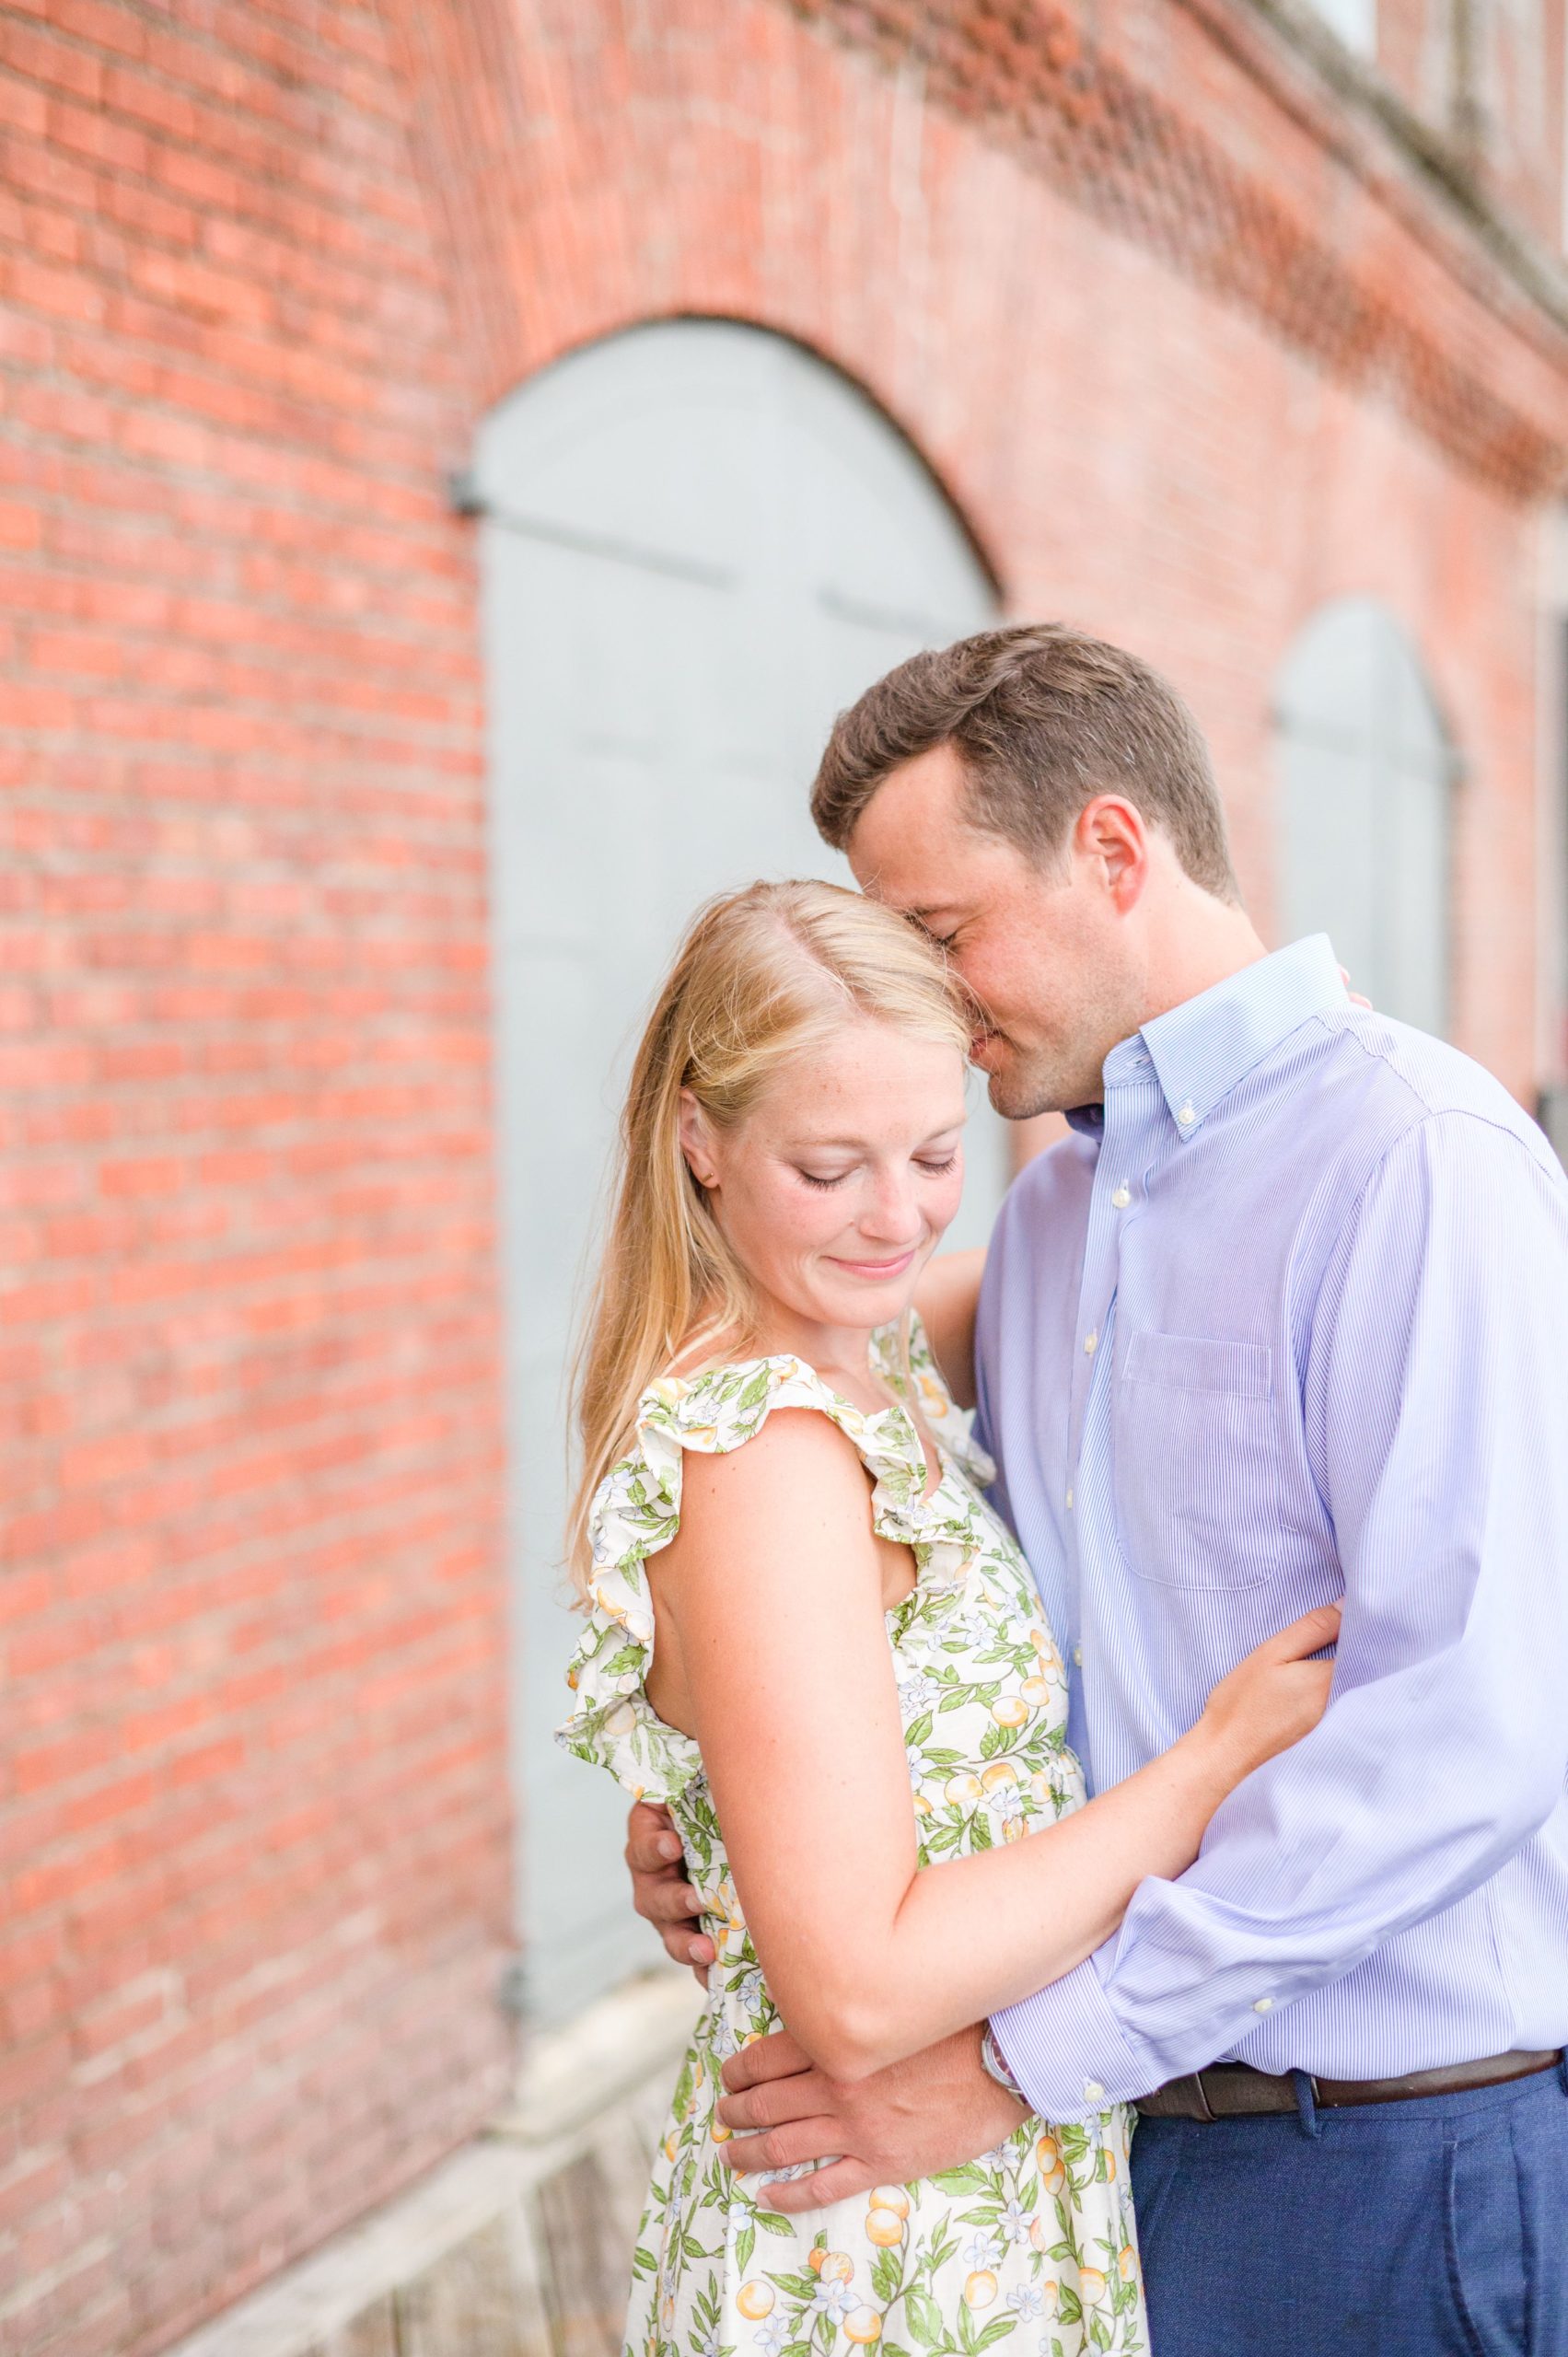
1288	1321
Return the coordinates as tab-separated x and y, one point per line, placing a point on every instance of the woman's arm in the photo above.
946	1298
773	1588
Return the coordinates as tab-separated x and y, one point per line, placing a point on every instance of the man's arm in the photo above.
1437	1401
1437	1394
948	1298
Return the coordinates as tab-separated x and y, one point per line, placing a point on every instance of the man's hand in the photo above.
933	2112
660	1892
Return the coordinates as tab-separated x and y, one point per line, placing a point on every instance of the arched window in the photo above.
1365	775
698	543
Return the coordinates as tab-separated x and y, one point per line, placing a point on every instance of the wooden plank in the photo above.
372	2333
587	2263
482	2299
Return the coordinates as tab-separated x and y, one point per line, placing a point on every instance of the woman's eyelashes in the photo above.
932	1168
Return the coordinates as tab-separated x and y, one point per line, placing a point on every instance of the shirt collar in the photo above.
1202	1048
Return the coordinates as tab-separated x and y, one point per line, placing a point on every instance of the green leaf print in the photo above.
801	2286
926	2318
884	2276
970	1632
970	2178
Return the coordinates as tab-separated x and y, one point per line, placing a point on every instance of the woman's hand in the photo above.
1273	1698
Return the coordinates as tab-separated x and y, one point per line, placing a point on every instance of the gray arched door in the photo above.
698	543
1366	778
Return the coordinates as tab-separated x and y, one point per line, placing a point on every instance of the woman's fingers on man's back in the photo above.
1308	1635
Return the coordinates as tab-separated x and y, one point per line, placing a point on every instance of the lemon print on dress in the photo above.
984	1703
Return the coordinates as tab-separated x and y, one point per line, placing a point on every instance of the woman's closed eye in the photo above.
933	1166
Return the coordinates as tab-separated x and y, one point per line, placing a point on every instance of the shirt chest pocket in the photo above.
1194	1456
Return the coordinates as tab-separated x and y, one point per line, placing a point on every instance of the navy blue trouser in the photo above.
1437	2228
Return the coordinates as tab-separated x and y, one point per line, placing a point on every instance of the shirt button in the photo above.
1262	2004
1090	1344
1121	1198
1093	2091
1187	1115
1069	1501
1079	1656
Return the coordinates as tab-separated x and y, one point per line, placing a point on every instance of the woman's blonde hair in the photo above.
761	977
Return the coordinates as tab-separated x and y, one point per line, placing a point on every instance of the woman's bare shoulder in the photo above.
796	1483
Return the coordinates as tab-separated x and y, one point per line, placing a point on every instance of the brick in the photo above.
264	268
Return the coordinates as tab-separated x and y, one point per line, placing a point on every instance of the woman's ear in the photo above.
696	1141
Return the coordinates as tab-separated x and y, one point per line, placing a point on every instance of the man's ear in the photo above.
1113	834
696	1142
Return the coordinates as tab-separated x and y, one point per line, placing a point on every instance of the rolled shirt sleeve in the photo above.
1433	1371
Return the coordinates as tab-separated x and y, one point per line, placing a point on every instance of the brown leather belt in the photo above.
1235	2091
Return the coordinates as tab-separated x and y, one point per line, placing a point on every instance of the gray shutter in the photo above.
698	544
1365	834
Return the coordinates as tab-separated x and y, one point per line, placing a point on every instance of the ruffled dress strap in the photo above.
944	1420
636	1511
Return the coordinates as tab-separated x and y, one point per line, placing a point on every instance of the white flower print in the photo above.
981	1689
1015	2221
834	2300
1007	1802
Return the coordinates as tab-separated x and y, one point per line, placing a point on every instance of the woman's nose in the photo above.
892	1215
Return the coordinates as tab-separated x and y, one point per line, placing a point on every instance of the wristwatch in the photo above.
995	2065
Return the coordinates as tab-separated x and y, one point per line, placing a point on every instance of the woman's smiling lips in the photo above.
874	1269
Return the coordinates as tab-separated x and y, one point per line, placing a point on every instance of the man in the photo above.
1284	1318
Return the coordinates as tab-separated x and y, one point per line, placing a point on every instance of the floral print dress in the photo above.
1031	2249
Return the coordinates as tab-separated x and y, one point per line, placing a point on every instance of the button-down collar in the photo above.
1203	1047
1200	1050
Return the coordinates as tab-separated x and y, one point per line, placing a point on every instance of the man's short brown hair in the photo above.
1043	718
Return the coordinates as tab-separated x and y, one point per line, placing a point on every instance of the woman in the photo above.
811	1639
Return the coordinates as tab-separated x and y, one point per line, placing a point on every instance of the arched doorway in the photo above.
698	543
1366	829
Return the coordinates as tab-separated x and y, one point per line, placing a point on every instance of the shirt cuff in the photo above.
1065	2048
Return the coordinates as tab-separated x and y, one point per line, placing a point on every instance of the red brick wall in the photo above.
265	265
254	1824
1509	122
